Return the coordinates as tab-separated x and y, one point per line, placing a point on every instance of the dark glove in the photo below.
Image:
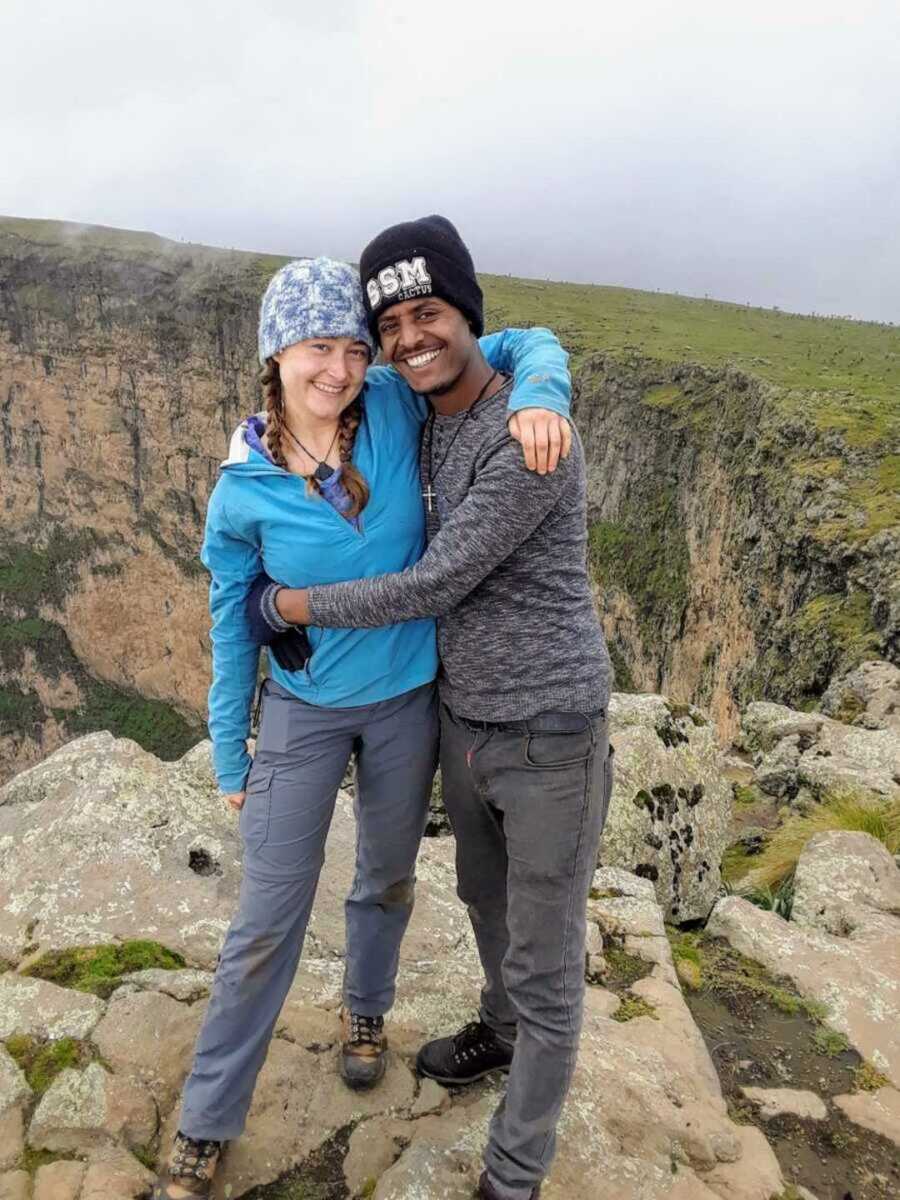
260	629
291	649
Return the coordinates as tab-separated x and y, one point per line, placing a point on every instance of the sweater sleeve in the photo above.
234	563
534	357
504	505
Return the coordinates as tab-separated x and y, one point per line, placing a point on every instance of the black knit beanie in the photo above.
420	258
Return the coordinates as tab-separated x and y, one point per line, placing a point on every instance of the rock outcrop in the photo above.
646	1119
843	946
867	696
671	810
814	754
739	542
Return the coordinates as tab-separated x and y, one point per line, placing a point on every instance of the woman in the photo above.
326	487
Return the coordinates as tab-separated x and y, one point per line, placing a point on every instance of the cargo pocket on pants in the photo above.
253	821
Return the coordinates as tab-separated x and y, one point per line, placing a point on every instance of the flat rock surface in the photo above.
12	1138
96	844
15	1185
775	1102
14	1089
186	985
83	1109
877	1111
150	1036
59	1181
43	1010
857	977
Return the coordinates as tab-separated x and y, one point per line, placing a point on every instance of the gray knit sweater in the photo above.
505	572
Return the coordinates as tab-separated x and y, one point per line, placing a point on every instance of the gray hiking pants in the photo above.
301	756
527	803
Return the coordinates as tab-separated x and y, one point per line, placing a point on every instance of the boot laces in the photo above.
471	1040
191	1156
365	1029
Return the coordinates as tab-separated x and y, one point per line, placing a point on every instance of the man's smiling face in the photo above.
428	341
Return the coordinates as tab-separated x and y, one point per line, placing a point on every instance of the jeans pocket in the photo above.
608	773
253	820
559	748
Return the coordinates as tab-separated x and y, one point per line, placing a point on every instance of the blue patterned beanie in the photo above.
312	297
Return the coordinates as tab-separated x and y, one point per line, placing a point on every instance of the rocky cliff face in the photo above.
125	362
741	550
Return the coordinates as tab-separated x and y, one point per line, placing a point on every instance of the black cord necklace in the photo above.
428	493
323	471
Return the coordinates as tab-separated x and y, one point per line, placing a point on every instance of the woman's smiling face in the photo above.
323	375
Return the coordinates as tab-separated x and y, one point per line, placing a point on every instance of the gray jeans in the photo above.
527	804
301	755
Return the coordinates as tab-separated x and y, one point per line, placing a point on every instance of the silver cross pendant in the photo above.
428	495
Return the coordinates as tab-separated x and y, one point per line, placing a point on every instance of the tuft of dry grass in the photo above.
863	813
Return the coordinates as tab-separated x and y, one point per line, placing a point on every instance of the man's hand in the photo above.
236	799
545	436
293	605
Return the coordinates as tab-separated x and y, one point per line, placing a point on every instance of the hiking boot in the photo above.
469	1055
487	1191
190	1169
363	1049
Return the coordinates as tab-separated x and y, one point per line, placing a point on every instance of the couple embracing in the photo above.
410	541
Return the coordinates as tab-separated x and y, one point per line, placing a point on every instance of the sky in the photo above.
749	152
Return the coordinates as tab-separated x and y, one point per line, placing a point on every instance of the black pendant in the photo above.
323	472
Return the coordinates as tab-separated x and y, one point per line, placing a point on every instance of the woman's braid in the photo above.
356	487
271	384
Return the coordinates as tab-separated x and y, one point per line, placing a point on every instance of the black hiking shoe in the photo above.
487	1191
190	1169
469	1055
362	1049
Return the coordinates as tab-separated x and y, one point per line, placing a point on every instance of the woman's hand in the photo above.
235	799
545	436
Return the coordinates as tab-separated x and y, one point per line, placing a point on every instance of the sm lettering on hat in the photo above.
402	281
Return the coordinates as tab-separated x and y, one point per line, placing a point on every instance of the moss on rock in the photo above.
41	1061
633	1006
99	969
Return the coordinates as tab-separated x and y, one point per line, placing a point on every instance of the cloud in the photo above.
748	153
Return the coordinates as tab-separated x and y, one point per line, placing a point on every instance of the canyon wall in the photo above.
739	551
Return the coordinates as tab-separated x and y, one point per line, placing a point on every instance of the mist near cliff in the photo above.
751	155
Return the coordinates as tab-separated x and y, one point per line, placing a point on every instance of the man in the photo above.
524	686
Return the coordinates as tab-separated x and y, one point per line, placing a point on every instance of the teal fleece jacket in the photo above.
260	518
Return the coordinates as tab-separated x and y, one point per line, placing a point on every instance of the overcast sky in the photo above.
745	151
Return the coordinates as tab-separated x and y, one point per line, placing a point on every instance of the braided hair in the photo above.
354	483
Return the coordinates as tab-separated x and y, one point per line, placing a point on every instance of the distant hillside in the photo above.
744	480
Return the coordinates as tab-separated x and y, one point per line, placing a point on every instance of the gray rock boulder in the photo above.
14	1089
671	806
83	1109
844	947
102	841
869	696
43	1010
846	881
811	752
